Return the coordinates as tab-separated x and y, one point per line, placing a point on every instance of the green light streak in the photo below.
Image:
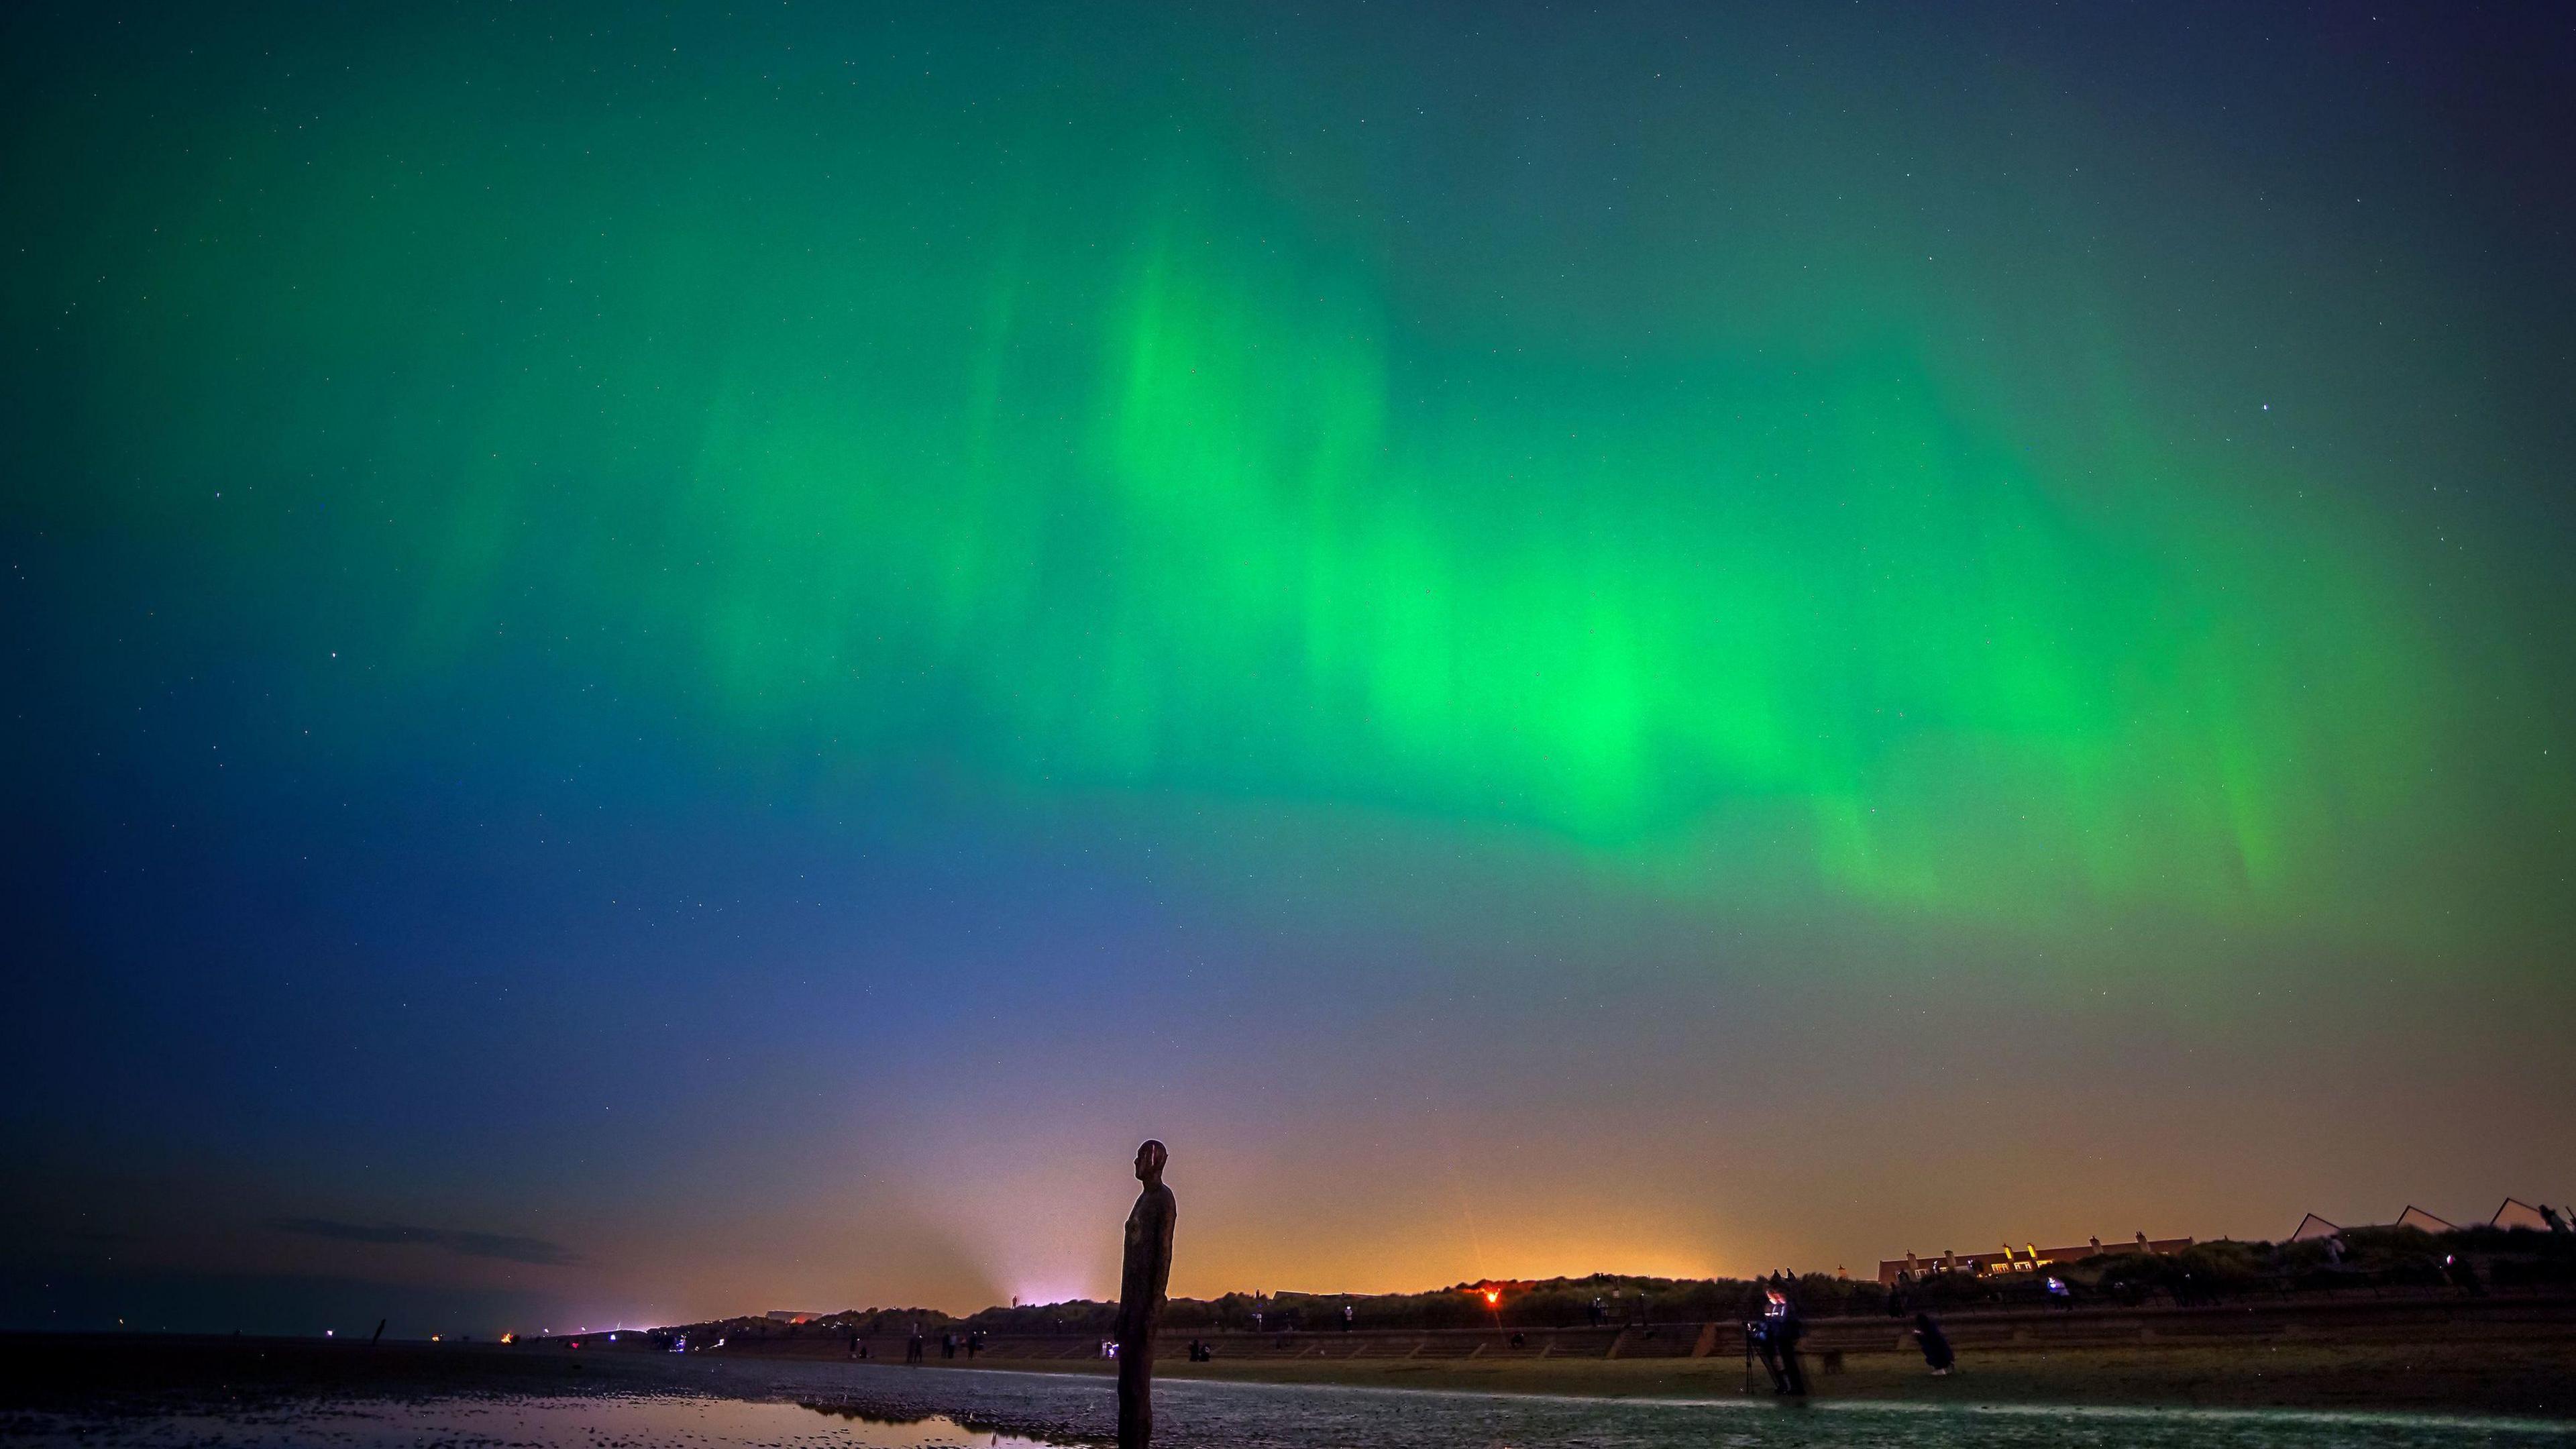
1240	559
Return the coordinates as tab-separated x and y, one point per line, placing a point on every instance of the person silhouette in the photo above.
1937	1353
1782	1330
1145	1273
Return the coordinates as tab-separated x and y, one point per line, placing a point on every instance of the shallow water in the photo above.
516	1422
805	1407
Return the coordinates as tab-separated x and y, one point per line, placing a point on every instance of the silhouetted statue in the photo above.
1141	1281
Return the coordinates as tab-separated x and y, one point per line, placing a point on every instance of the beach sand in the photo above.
2523	1370
2527	1375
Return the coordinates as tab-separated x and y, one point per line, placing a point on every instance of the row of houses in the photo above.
1911	1269
2515	1213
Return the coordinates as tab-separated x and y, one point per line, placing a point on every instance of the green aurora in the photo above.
873	419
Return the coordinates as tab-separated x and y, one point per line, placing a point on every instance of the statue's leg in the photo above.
1135	1395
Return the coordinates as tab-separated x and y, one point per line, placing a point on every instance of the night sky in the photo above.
663	661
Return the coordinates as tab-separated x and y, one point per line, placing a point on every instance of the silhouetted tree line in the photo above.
2364	1259
1611	1300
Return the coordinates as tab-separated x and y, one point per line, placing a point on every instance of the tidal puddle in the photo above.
571	1422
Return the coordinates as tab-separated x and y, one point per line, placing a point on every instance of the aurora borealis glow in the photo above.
707	602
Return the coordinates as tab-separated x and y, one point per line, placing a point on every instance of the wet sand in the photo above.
145	1392
2474	1375
225	1397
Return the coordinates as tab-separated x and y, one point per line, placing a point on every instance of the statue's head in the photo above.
1149	1162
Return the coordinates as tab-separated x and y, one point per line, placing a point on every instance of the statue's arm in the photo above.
1163	1245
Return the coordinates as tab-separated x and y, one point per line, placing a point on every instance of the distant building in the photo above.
1891	1271
2519	1214
2514	1213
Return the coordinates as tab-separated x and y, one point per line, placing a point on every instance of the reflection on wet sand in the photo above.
939	1428
523	1422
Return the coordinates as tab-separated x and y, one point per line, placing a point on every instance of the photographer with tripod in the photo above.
1779	1332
